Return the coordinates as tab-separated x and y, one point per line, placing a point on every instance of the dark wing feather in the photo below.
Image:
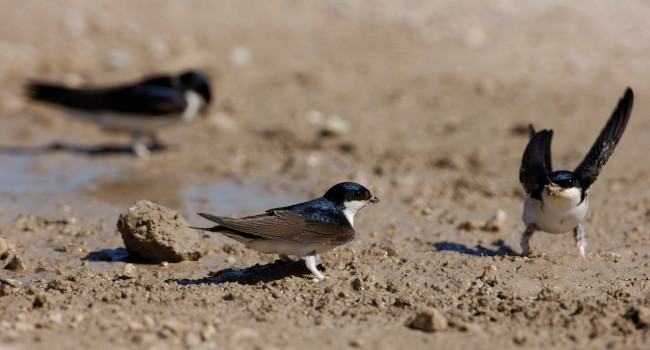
154	96
536	161
286	225
587	172
75	98
531	131
146	99
547	148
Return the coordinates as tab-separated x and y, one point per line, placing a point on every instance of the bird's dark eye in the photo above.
567	183
357	194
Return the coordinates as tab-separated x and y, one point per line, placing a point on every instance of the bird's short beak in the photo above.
373	199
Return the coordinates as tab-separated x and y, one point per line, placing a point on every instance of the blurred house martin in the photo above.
138	108
305	229
556	201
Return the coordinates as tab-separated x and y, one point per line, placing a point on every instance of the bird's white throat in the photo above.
557	212
569	197
194	102
351	208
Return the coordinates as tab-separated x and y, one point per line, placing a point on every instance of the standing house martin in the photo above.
556	201
305	229
138	108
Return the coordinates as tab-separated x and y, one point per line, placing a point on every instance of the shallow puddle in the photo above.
53	174
123	183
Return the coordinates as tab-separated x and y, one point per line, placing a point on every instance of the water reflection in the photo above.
122	182
57	173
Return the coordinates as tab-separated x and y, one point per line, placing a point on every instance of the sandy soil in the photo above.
437	96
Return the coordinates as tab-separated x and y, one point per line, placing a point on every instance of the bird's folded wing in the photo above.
595	160
146	99
156	96
536	161
288	225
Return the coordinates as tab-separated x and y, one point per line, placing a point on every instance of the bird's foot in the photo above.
525	240
310	261
581	243
141	150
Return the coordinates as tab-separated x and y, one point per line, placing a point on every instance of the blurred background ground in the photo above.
436	94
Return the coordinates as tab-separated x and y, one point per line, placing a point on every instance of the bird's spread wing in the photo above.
531	131
595	160
286	225
155	96
536	161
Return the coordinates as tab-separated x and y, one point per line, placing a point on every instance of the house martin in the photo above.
138	108
556	201
305	229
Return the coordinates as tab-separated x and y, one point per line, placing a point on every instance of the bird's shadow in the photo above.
119	255
501	249
110	255
270	272
99	150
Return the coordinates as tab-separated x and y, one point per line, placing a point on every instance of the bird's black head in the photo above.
198	82
564	179
348	192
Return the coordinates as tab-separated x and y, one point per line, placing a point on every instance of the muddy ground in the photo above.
437	96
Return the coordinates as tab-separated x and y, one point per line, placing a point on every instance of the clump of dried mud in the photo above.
154	233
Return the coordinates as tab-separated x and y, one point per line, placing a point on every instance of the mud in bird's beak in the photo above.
552	189
373	199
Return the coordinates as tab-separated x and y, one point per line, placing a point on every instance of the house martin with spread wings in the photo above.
556	201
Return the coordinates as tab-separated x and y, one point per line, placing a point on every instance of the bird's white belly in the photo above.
556	215
270	246
122	122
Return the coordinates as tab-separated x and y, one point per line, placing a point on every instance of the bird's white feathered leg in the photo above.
139	147
310	261
581	243
525	239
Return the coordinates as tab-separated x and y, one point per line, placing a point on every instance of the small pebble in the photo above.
640	315
496	222
16	264
357	285
130	271
315	117
116	59
192	339
429	320
336	126
55	317
644	317
5	289
240	56
149	322
40	300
